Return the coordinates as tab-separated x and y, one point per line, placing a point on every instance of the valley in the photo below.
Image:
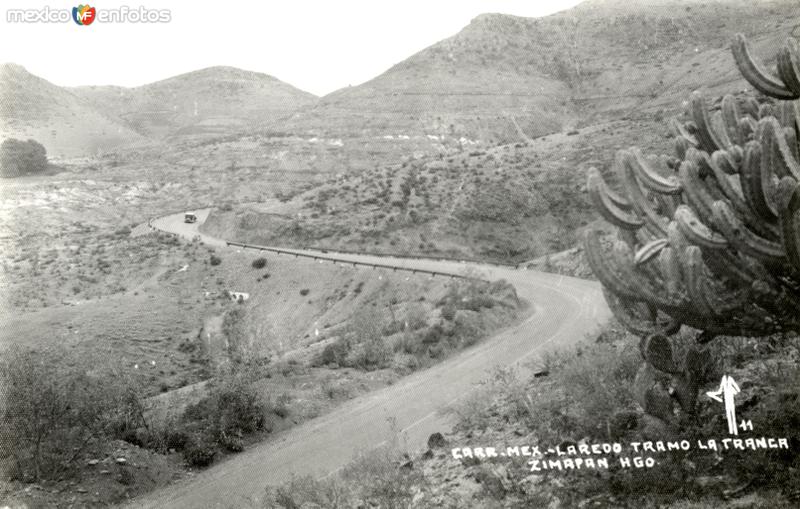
236	369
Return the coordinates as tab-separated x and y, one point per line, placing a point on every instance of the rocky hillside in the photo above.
66	124
86	121
622	72
212	101
505	77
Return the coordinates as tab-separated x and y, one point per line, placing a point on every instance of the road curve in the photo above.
567	309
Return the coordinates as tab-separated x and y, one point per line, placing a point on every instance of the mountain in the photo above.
81	121
211	101
66	124
616	70
505	78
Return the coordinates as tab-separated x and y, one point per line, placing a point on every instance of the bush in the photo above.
259	263
449	312
334	353
304	292
200	450
371	480
214	260
56	403
19	157
238	407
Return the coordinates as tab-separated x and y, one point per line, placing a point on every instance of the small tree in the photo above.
53	404
19	157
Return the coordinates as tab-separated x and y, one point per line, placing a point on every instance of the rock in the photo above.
711	481
653	428
93	462
121	461
623	422
491	482
82	490
408	465
105	472
436	440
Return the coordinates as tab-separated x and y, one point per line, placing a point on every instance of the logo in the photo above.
84	15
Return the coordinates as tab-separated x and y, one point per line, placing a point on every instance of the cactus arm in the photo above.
649	251
603	267
693	263
636	317
696	193
730	119
786	114
754	75
790	222
790	135
681	146
710	140
743	239
747	126
755	182
750	107
649	177
725	162
670	267
696	232
680	132
652	221
607	206
646	288
789	66
724	183
773	141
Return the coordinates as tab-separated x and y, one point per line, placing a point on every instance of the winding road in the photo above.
566	309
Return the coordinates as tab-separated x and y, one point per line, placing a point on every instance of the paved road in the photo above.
566	309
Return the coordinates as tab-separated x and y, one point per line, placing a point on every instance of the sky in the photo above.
316	45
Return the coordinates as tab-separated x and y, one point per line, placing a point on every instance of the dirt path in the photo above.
566	310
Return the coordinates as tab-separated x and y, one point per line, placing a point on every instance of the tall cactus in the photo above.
709	237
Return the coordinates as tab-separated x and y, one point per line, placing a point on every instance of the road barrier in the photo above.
417	257
296	253
394	268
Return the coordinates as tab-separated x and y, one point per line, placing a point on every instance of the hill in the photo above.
621	72
85	121
211	101
66	124
504	78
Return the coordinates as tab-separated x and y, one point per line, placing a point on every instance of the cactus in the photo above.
685	376
711	235
762	82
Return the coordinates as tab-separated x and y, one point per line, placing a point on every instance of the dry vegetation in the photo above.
588	396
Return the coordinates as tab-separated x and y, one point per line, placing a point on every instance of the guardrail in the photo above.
297	254
393	268
417	257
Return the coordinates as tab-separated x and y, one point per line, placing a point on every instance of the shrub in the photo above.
214	260
238	407
259	263
19	157
371	480
304	292
449	312
334	353
56	403
200	450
